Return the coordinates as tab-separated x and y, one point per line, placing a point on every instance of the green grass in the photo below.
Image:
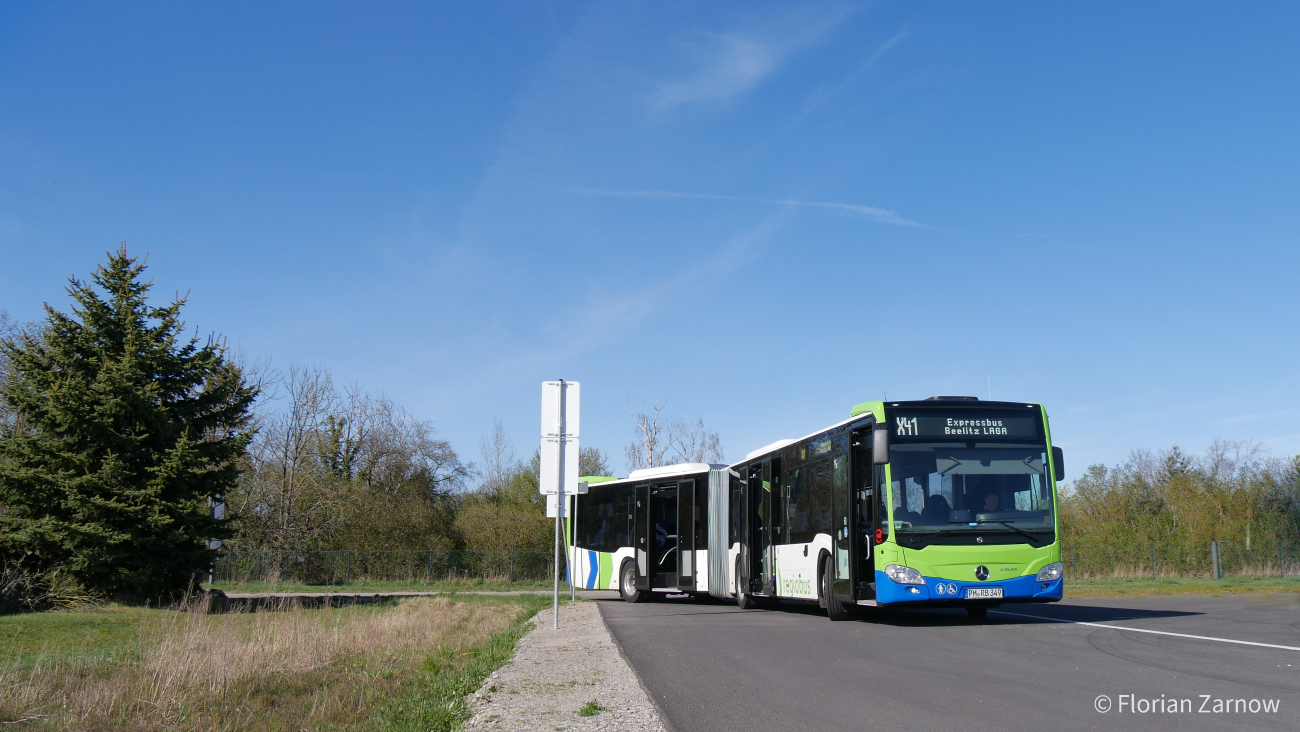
421	688
360	586
591	709
1111	587
101	635
434	698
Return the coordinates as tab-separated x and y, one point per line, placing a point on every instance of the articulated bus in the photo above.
948	501
944	502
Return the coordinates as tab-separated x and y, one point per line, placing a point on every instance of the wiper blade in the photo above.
1022	532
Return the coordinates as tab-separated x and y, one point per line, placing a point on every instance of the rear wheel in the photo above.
977	613
627	583
745	600
835	609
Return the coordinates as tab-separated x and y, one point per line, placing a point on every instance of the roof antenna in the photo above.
990	380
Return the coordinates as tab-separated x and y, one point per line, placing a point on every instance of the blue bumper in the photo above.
937	591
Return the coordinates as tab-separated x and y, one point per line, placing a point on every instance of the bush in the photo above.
487	525
23	589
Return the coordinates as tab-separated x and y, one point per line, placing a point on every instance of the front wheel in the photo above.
835	609
627	583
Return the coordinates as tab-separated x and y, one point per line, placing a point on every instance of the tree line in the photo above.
1234	492
121	440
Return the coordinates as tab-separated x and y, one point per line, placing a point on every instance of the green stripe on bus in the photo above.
606	569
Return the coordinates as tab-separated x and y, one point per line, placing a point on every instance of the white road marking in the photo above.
1154	632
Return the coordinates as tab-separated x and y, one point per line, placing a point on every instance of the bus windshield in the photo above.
954	489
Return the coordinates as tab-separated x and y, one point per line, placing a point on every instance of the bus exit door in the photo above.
655	526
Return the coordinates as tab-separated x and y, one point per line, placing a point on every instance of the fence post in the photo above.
1280	573
1153	560
347	577
512	561
1216	560
1074	569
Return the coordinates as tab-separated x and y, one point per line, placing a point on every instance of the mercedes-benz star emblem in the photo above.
981	573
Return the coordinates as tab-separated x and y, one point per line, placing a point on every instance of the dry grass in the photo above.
294	669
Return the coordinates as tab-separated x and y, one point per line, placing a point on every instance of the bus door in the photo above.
686	535
776	517
863	559
758	503
641	535
767	515
663	555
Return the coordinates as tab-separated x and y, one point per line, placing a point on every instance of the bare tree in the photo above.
692	443
650	447
287	499
499	460
329	468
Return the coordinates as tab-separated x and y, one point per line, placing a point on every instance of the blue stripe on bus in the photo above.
593	562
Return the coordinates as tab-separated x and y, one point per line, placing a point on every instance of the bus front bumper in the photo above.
937	592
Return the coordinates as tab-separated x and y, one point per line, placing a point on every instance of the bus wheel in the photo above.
977	613
627	583
744	600
835	609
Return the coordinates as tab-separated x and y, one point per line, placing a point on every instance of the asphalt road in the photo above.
715	667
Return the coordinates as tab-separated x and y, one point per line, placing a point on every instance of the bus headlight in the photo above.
903	575
1050	573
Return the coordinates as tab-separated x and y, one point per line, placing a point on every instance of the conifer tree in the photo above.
124	431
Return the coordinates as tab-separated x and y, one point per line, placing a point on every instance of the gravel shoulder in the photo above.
556	672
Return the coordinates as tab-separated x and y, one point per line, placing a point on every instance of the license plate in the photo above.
983	593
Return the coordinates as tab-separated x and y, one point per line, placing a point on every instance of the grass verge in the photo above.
1111	587
395	666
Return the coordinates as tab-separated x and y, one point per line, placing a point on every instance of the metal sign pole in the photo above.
559	511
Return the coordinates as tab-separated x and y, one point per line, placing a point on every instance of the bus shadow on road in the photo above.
1011	614
1015	615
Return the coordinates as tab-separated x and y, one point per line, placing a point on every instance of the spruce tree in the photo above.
124	430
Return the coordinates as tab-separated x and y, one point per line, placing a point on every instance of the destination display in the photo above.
964	424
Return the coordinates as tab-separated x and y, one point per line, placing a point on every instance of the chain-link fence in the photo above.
1154	560
343	566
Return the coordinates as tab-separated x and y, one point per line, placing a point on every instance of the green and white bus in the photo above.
948	501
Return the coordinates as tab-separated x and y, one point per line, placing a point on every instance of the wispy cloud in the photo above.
607	316
729	64
881	215
823	94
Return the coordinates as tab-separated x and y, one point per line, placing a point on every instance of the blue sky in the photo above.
761	213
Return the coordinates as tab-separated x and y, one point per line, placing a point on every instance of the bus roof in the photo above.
782	443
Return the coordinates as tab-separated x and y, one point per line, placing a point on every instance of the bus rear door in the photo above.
686	535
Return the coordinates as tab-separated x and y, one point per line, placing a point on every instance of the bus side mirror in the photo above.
880	445
1058	461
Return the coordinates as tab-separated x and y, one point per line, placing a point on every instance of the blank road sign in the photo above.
551	396
550	467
